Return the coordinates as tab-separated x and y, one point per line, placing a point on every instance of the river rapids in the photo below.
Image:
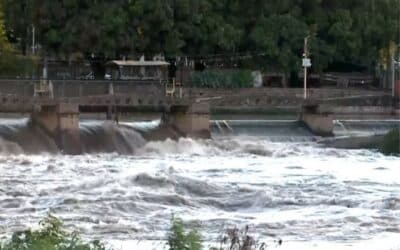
309	196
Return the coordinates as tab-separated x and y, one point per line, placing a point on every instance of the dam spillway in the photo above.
20	136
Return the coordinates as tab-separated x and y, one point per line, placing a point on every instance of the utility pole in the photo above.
393	68
306	64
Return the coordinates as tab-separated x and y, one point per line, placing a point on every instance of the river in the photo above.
283	186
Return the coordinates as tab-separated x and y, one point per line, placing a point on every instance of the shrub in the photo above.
50	236
391	143
12	65
222	79
241	240
178	239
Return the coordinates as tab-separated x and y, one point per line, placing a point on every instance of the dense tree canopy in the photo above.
6	48
351	31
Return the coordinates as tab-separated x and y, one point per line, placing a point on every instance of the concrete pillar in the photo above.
397	89
61	122
109	113
191	120
319	122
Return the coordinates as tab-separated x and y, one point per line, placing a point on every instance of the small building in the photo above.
137	70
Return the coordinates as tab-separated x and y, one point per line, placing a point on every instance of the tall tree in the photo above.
5	46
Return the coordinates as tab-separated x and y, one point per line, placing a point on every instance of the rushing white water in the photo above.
310	197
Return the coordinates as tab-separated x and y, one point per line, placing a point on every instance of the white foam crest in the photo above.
183	146
221	147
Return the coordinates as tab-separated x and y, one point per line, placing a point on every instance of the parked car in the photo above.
89	76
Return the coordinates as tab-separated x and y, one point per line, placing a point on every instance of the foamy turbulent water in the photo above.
310	197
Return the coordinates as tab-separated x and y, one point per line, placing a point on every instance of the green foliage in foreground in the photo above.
50	236
391	143
178	239
223	79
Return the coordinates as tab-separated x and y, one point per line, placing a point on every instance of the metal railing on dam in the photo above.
19	95
77	88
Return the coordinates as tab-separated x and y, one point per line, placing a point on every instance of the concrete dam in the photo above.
55	108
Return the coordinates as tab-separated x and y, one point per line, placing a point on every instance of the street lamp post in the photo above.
306	64
33	40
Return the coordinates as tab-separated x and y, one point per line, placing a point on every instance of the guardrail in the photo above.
78	88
